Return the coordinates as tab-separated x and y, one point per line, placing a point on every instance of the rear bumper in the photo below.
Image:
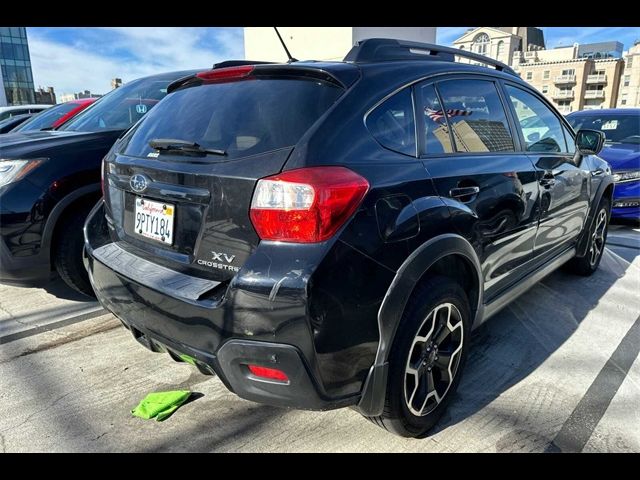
221	332
626	200
26	271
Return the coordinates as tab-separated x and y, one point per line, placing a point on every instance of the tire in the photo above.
588	264
67	254
411	409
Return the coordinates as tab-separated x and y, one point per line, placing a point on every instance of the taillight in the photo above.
229	73
306	205
268	373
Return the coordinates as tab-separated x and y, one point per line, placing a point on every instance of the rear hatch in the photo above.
179	188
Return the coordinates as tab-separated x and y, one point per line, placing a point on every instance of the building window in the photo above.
461	47
629	61
500	50
545	75
545	89
481	42
529	75
627	79
569	71
623	102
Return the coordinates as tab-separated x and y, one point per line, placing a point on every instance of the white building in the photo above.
501	43
321	43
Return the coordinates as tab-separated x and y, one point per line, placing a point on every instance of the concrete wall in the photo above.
321	43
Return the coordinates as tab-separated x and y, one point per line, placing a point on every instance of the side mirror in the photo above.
590	142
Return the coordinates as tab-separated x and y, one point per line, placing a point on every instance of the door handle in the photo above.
597	173
464	192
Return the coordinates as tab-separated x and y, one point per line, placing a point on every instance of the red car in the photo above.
55	116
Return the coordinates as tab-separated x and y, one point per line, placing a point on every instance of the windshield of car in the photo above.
236	119
120	108
46	118
620	128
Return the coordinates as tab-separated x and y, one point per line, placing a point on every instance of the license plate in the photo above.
154	220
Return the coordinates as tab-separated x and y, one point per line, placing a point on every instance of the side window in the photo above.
541	129
435	136
476	116
392	123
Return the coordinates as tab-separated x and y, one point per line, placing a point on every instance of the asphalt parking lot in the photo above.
557	370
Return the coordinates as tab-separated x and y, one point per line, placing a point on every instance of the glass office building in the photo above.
16	78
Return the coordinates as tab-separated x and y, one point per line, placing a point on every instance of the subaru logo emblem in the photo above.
139	182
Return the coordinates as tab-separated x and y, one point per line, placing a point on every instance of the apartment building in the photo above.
629	93
574	83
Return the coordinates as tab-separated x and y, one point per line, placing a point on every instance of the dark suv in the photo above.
322	235
49	180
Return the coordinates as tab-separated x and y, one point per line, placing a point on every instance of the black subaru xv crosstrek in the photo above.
322	235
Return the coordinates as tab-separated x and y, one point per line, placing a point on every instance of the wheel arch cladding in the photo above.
449	255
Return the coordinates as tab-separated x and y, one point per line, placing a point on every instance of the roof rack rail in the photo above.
386	49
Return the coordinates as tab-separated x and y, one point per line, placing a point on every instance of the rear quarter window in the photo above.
392	123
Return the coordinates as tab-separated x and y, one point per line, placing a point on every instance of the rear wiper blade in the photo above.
182	145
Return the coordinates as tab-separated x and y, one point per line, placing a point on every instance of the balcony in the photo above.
595	79
564	94
564	79
588	94
532	55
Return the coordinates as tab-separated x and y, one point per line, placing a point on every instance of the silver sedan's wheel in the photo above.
433	359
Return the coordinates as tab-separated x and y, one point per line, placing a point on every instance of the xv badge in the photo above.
219	257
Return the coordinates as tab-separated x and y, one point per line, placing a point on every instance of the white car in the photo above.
8	112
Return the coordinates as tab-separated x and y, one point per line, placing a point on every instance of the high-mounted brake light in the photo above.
306	205
268	373
229	73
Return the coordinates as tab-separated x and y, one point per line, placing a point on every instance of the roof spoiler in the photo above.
226	64
387	49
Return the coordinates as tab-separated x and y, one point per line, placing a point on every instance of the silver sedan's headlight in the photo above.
13	170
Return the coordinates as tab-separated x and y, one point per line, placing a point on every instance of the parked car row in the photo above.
317	234
49	180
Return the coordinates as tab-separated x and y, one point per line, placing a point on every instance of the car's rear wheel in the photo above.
67	253
427	358
588	264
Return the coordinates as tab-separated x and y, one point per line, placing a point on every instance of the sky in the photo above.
73	59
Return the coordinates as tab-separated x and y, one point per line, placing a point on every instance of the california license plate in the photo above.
154	220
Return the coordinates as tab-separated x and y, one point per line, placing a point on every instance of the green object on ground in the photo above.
160	404
186	358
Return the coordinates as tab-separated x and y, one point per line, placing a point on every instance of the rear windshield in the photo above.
46	118
240	118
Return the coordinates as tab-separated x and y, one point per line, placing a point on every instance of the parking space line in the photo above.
97	312
577	429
